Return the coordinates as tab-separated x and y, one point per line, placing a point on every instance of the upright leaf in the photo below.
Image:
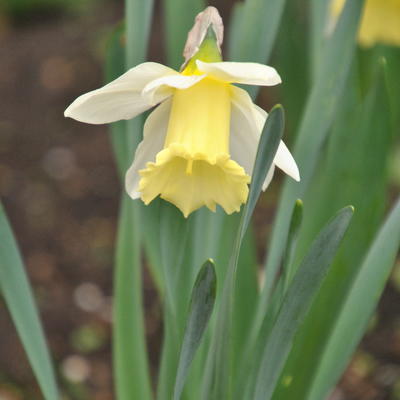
179	18
114	67
298	299
319	114
129	345
17	293
358	168
201	306
254	29
217	383
355	314
319	25
130	354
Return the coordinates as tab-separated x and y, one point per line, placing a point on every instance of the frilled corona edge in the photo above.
192	180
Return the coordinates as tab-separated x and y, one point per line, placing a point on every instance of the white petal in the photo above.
283	158
154	132
268	178
241	72
121	98
165	83
285	161
244	131
247	122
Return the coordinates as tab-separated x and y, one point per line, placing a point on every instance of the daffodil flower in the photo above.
200	142
380	22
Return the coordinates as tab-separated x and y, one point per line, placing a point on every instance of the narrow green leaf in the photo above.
17	293
319	12
173	233
362	180
267	147
294	229
292	62
179	18
254	32
138	15
217	381
173	228
130	355
201	306
256	338
320	112
359	306
115	66
129	346
297	302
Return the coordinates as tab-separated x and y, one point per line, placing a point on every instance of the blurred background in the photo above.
59	186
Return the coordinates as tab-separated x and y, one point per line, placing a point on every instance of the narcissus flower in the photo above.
380	22
199	143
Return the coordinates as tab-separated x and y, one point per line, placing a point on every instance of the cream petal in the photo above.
121	98
283	158
244	134
241	72
247	121
154	132
268	178
285	161
165	83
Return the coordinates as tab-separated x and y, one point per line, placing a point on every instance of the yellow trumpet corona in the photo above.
195	168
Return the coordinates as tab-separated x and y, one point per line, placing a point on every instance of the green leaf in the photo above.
267	147
173	228
179	19
129	346
362	180
253	32
176	274
256	337
319	114
201	306
292	62
17	293
138	15
115	66
294	229
358	307
217	381
298	299
319	11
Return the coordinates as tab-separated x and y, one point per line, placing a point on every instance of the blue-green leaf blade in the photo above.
17	293
362	181
359	306
253	32
129	345
319	115
177	26
267	148
217	381
201	306
297	302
